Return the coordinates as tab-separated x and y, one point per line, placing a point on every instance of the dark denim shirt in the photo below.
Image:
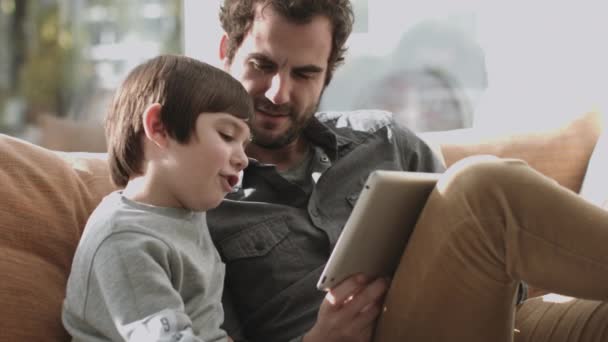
275	238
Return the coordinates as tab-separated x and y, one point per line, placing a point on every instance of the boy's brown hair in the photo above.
237	18
185	88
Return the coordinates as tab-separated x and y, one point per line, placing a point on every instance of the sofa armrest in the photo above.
47	198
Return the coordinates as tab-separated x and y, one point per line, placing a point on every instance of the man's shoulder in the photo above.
369	120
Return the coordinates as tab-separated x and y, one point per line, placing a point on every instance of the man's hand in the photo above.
349	311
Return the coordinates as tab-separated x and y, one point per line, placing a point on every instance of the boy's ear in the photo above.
224	50
153	125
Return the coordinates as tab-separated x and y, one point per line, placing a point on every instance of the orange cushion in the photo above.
594	187
46	200
561	153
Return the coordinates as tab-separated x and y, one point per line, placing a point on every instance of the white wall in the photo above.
546	60
202	30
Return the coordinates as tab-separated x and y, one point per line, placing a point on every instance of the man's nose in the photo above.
279	89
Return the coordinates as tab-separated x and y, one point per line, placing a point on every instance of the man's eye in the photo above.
303	75
261	66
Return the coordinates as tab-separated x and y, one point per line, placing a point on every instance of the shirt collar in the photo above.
320	134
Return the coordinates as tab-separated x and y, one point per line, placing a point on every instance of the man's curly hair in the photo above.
237	17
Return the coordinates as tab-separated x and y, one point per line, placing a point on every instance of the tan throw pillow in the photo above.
561	153
46	200
595	184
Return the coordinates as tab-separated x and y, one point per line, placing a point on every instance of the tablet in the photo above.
377	230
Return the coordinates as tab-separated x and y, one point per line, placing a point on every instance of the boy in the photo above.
145	268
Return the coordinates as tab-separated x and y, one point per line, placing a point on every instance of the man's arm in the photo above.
416	154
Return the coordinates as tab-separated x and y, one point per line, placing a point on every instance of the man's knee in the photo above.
477	175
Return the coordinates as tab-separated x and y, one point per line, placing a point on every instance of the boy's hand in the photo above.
349	311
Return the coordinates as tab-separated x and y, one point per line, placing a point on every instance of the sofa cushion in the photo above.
561	153
46	200
595	184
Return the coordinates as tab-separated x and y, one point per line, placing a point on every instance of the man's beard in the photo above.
298	121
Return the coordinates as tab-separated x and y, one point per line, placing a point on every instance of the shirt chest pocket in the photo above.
256	241
260	262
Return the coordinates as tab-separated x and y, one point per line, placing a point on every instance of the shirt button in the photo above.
259	246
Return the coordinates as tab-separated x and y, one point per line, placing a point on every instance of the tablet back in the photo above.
379	226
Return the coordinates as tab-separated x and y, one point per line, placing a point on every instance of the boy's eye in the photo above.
226	137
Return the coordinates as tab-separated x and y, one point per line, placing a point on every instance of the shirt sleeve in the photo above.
163	326
416	153
131	277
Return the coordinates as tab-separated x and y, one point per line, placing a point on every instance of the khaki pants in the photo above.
489	224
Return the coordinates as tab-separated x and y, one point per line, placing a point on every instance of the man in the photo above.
276	233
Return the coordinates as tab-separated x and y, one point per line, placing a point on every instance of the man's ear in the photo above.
153	126
224	51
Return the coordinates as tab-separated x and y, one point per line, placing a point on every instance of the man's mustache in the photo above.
264	105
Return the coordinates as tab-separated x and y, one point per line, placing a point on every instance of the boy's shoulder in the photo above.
110	210
117	227
117	214
113	216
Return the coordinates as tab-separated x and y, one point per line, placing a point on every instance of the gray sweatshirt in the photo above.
144	273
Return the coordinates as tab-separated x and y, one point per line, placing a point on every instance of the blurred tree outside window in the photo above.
63	59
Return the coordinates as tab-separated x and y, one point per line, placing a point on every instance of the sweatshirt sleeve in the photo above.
133	282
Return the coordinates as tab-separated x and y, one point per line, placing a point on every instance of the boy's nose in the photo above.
240	160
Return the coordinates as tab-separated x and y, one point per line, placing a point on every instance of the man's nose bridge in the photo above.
278	87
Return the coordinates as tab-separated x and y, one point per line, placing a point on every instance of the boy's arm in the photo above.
131	292
165	325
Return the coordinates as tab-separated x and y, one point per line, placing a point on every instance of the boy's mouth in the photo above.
232	180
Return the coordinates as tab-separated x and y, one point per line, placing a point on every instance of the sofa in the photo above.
46	197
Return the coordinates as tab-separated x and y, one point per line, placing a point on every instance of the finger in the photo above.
346	289
369	295
366	320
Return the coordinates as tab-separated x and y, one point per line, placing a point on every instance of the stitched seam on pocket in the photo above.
255	241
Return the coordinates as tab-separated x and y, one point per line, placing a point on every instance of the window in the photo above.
436	64
65	58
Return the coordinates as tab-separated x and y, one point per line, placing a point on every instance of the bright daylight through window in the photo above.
437	65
